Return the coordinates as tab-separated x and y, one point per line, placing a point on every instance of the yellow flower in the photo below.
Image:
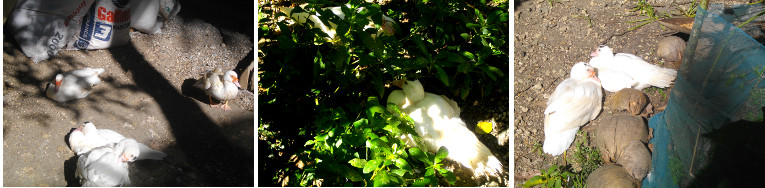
484	127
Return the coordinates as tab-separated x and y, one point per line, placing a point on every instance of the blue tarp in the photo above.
722	66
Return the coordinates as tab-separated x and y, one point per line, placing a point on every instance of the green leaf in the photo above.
332	132
472	25
464	92
286	31
370	43
451	57
464	68
377	18
536	180
308	143
468	55
375	109
503	17
399	172
423	182
430	172
285	42
421	46
402	164
371	165
382	179
351	174
480	16
419	155
360	123
488	71
450	177
441	154
442	75
358	163
465	36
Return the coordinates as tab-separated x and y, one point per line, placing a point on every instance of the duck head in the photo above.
412	89
57	82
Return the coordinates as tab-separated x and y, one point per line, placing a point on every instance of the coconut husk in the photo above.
610	175
671	50
631	100
636	160
615	132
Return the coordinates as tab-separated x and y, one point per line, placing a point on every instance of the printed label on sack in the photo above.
53	45
76	11
101	22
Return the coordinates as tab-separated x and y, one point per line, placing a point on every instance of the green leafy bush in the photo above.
320	97
586	156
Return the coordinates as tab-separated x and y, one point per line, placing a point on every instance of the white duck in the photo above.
224	90
86	137
386	26
625	70
74	84
106	166
438	123
575	101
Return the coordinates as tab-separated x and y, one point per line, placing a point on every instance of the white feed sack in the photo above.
106	24
42	27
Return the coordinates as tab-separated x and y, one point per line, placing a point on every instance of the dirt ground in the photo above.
146	94
549	39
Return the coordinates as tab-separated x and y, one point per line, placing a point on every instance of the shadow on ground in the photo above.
205	145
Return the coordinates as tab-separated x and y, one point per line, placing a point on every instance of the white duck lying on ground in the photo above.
86	137
575	101
438	123
106	166
624	70
386	26
224	90
74	84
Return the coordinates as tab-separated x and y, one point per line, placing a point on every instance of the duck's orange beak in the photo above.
398	83
124	158
236	81
57	83
593	76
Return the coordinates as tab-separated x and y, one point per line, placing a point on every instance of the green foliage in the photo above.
366	150
586	156
323	95
657	91
555	176
645	9
688	13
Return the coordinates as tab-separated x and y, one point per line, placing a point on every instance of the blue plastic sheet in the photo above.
722	67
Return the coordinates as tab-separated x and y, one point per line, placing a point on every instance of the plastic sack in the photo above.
722	68
106	24
149	15
43	27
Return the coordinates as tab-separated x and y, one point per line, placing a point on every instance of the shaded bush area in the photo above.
322	115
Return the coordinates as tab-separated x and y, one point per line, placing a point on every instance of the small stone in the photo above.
524	109
538	85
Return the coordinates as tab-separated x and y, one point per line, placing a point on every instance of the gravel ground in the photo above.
146	94
549	39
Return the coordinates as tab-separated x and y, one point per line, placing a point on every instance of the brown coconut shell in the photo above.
615	132
636	160
610	175
631	100
671	50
